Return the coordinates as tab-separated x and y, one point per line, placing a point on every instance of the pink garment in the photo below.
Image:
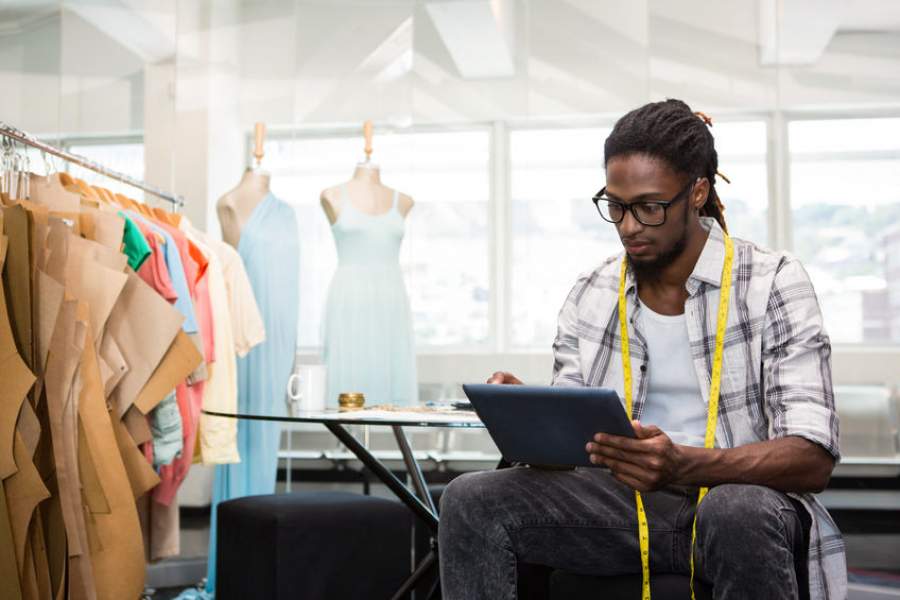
192	270
154	271
190	402
204	314
189	398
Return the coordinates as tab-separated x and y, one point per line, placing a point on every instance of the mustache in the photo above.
632	241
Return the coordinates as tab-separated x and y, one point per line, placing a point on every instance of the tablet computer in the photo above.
548	426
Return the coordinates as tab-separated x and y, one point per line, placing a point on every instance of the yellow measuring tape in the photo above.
712	415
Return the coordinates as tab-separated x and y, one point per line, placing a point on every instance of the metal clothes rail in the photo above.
29	140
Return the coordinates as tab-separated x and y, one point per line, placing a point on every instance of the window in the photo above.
741	146
557	234
445	253
556	231
845	206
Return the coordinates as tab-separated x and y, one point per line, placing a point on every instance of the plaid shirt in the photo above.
776	373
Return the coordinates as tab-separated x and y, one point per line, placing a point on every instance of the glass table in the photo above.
418	500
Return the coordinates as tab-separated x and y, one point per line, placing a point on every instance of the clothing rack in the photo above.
29	140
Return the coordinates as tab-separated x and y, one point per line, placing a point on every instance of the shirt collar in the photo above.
709	265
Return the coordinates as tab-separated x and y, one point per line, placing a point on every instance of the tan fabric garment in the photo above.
24	491
141	475
62	388
180	360
17	278
9	571
143	341
117	558
161	526
9	359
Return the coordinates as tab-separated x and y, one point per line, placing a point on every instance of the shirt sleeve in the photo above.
134	245
247	324
796	362
566	357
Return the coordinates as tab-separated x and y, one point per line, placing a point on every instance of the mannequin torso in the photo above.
236	206
367	194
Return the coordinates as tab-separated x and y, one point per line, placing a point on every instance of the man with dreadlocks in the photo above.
718	350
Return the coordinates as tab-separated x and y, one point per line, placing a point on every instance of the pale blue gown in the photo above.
269	247
367	330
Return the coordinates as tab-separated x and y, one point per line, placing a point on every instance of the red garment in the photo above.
154	271
204	314
190	402
193	260
189	397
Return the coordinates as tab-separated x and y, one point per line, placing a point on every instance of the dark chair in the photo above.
663	586
312	546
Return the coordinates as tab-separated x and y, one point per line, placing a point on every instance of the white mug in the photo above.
306	389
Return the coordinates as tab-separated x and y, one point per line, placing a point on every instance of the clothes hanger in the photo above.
6	167
86	190
164	216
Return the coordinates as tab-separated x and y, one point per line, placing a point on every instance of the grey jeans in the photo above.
584	521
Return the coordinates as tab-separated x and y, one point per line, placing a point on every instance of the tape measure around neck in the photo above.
713	410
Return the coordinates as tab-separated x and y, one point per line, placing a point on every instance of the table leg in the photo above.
428	563
402	492
412	467
288	428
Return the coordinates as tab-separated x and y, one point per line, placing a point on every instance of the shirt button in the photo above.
643	368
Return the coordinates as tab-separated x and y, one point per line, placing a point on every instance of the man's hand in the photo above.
646	464
504	378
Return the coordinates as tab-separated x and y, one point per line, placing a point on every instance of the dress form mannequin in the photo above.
368	343
264	230
236	206
367	194
364	190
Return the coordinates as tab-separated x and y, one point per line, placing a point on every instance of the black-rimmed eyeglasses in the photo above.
652	213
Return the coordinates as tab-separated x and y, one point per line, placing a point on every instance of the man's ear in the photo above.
700	193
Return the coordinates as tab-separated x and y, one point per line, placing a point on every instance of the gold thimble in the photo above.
351	400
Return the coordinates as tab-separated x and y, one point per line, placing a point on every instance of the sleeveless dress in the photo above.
367	330
270	248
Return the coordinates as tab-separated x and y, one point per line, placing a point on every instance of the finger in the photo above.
644	461
631	470
631	482
618	441
497	377
614	453
638	429
645	431
637	478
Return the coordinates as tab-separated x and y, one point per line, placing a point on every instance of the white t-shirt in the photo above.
674	401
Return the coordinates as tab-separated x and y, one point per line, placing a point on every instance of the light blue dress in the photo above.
367	330
269	247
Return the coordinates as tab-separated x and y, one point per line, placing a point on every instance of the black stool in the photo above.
312	546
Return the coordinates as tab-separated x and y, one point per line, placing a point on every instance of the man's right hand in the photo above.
502	377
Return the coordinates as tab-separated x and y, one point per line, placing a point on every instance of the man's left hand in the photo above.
646	464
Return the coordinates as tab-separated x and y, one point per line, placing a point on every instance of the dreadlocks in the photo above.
670	130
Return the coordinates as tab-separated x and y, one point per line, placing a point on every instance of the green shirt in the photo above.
134	243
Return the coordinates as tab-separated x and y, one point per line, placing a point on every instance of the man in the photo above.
759	531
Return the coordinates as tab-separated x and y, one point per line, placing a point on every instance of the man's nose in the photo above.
629	226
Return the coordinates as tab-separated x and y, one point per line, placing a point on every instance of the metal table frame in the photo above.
418	500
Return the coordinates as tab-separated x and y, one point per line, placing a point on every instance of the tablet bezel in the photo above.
532	424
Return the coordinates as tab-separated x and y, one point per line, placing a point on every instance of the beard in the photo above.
649	270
